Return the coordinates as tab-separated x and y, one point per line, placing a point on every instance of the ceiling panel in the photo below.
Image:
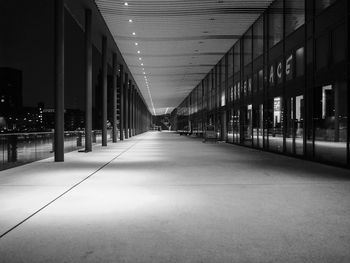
179	41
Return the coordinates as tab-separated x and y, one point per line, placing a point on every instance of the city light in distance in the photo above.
133	33
140	58
136	44
126	4
138	52
130	20
141	64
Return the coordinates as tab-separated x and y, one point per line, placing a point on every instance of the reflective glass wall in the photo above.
283	86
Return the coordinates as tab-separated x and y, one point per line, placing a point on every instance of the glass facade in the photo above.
263	95
294	15
323	4
275	22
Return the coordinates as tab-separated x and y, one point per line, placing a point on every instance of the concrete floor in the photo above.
168	198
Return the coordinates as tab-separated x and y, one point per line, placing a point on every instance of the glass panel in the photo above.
248	126
20	148
295	15
276	23
247	47
249	86
322	51
290	125
230	127
258	38
339	44
261	125
223	82
261	80
237	57
299	125
276	126
289	67
230	63
322	4
255	126
236	126
295	125
299	54
245	93
231	92
255	83
330	116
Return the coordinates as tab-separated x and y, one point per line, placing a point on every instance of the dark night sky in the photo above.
28	45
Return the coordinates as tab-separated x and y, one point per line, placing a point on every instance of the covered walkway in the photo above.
161	197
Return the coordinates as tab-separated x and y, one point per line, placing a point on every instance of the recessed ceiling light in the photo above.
136	44
130	20
141	64
140	58
133	33
126	4
144	73
138	52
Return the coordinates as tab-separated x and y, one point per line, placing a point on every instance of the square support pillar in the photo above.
88	82
126	106
114	102
121	105
59	81
104	91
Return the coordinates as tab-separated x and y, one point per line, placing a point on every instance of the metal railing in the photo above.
20	148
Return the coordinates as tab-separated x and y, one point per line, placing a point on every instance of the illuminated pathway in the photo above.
161	197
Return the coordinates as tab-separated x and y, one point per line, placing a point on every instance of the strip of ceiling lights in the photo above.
142	64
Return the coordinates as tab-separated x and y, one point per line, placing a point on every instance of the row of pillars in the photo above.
134	115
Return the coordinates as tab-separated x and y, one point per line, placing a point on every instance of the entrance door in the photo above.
295	125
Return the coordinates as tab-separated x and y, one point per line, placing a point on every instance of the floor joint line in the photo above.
68	190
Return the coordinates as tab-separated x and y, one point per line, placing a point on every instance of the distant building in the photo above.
11	99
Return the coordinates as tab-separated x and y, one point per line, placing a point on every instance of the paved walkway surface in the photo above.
161	197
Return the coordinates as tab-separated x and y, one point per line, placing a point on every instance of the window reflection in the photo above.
276	23
299	54
295	15
258	114
323	4
276	125
248	125
295	125
258	38
330	118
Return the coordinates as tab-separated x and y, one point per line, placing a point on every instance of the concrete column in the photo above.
104	91
137	113
121	106
133	111
59	81
126	101
88	82
114	103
